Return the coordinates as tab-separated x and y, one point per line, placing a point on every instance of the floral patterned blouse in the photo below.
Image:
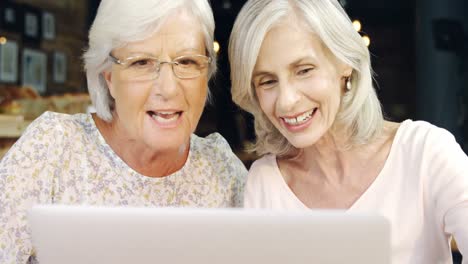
64	159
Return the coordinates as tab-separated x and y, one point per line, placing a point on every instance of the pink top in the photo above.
422	190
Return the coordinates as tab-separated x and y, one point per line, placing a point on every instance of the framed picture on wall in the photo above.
31	25
32	28
59	67
9	62
34	70
48	25
10	16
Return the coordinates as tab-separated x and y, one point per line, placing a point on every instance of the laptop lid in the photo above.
78	234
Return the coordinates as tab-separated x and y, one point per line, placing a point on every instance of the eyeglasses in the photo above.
146	68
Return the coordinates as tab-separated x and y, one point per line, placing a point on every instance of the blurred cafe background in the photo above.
419	53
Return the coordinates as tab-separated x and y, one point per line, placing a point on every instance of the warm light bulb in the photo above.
366	40
216	46
357	25
3	40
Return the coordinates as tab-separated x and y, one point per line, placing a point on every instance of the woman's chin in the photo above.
303	141
166	141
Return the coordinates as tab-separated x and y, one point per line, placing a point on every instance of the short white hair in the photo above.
119	22
360	111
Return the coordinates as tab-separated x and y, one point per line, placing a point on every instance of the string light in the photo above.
357	25
216	46
366	40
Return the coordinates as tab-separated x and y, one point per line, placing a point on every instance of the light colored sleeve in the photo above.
448	172
231	166
26	178
250	194
238	180
254	194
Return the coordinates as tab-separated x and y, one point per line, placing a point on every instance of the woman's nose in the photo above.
288	96
166	83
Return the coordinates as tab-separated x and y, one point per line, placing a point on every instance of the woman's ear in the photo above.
346	71
108	78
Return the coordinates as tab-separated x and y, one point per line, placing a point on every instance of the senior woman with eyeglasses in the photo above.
304	73
148	66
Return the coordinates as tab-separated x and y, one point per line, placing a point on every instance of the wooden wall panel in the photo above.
70	38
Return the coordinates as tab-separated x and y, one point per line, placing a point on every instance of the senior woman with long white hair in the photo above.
304	73
148	66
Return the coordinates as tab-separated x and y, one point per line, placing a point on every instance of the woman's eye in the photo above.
266	84
141	63
187	62
304	71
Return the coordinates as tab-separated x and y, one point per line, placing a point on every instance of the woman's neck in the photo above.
333	173
328	158
334	160
140	157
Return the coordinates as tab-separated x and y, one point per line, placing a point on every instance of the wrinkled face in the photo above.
162	113
298	83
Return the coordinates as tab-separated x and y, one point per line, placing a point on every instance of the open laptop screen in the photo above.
78	234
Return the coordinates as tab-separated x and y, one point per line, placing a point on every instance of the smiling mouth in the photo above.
300	119
165	116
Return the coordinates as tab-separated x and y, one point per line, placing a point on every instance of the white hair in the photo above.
119	22
360	111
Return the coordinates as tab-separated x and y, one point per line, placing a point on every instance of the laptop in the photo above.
123	235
